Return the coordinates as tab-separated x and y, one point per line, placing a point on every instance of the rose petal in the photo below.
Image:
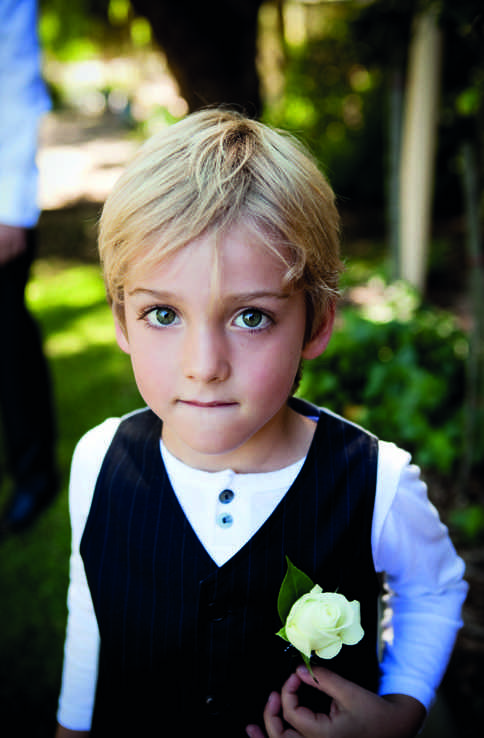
300	642
353	633
324	639
329	651
298	637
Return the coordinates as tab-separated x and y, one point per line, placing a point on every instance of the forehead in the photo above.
237	260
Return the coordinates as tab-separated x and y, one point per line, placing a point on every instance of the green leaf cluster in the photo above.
468	522
334	103
402	375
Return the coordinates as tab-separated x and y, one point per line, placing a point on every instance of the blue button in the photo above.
226	496
224	520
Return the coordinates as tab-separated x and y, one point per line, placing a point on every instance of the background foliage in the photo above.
398	369
397	362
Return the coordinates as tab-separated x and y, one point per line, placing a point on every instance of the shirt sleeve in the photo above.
81	648
23	101
424	578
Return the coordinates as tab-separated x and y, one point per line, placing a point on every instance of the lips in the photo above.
209	404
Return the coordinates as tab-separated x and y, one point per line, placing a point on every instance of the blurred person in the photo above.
25	392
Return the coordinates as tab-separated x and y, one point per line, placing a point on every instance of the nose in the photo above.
206	357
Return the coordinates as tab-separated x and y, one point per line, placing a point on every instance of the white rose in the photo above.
322	621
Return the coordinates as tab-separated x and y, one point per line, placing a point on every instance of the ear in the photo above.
121	335
317	344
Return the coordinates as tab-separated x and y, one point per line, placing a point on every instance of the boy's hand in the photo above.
12	242
355	712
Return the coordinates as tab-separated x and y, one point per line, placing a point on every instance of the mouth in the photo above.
211	404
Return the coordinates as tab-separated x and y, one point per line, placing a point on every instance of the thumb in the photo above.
344	692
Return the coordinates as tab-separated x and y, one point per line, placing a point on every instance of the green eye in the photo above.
161	316
252	319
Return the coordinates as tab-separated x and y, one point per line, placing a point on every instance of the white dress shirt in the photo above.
409	544
23	100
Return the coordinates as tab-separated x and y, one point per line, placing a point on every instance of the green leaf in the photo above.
282	633
294	585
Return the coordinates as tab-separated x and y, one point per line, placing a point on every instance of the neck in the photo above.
267	450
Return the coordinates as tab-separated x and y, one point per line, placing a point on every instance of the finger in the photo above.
289	695
304	720
344	692
12	242
10	252
253	731
272	718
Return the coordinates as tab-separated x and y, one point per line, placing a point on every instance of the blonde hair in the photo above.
211	171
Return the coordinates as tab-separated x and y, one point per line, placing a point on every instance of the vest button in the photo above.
216	612
211	704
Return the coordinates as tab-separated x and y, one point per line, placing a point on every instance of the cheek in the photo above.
272	375
144	379
149	369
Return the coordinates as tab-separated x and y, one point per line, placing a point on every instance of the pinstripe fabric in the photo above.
187	647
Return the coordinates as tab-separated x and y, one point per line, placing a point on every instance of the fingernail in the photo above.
303	671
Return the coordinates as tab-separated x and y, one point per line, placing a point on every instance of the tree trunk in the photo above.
474	409
418	148
395	106
210	48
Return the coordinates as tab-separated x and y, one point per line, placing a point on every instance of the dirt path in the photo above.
80	158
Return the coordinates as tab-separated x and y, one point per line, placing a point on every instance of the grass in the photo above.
92	380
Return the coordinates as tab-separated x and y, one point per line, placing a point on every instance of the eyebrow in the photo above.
163	296
158	295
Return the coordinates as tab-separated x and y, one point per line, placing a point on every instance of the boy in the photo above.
220	252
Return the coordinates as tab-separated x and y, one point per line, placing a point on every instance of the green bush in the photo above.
398	369
334	104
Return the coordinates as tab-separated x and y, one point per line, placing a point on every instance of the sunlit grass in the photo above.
94	329
82	317
56	283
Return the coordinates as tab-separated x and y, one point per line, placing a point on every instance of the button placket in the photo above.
224	518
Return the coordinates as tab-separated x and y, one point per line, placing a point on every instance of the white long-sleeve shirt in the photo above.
409	544
23	101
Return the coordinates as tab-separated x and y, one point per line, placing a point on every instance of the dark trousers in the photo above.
26	406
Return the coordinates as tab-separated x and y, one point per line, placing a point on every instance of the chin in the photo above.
213	450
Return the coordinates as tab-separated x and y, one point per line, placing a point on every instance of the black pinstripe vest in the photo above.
188	648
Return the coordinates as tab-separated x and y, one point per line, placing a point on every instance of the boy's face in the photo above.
215	343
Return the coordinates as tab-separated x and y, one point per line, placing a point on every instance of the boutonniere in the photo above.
316	621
